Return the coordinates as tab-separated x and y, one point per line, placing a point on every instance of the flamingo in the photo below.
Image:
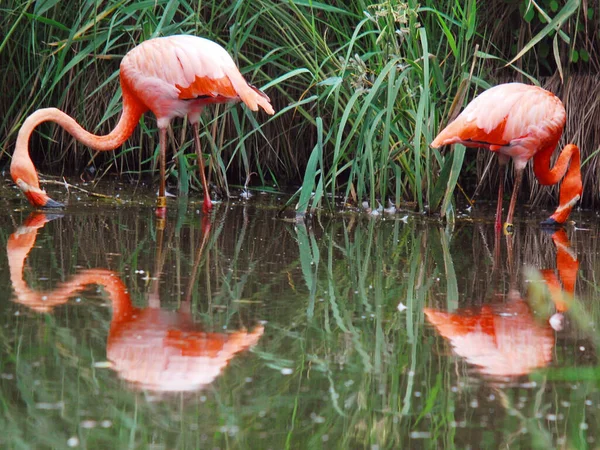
173	76
508	339
521	122
152	348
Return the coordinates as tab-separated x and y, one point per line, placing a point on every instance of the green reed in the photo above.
360	90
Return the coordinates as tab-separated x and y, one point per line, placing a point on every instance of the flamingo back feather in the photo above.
168	74
511	114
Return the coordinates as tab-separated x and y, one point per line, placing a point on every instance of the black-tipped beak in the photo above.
53	204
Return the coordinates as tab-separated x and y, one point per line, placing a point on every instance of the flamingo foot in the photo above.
207	205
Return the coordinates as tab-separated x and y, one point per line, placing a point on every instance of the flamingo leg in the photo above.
161	200
498	225
207	206
508	225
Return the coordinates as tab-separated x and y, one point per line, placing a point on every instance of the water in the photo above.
252	331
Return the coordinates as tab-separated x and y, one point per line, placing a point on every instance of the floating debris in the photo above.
420	435
102	365
88	424
43	405
391	209
557	322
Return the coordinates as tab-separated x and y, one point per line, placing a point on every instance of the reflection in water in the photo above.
342	367
150	347
506	339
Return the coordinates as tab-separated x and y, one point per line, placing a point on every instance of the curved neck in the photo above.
112	285
547	175
132	111
568	165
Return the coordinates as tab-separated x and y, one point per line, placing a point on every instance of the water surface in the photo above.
245	330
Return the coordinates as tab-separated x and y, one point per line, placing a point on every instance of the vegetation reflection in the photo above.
346	359
152	348
504	338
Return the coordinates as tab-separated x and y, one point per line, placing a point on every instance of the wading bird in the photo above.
520	122
173	76
152	348
508	338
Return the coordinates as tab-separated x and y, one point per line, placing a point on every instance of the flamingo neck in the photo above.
110	282
22	166
568	165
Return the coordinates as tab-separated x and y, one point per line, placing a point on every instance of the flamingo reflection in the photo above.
151	348
507	339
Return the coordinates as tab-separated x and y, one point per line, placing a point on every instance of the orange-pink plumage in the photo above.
173	76
521	122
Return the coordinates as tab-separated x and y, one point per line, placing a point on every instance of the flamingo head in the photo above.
37	197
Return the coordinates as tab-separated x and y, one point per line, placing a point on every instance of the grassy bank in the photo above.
360	89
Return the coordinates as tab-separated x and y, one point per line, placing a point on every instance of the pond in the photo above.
243	329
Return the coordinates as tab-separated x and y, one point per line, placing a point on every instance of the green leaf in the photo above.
47	21
556	53
311	172
457	160
568	10
441	183
41	6
574	56
529	12
584	55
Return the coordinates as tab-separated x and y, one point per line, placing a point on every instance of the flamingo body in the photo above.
505	340
173	76
508	338
152	348
521	122
177	76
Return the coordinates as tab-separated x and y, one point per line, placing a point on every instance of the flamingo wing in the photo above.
507	115
168	73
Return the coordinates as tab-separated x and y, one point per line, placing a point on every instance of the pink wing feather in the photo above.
510	114
169	73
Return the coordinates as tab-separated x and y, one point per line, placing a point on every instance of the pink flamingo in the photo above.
173	76
508	339
152	348
521	122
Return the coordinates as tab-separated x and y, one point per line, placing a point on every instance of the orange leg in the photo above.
502	168
161	201
207	206
508	225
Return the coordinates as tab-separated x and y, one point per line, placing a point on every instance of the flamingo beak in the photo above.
40	199
550	223
53	204
36	196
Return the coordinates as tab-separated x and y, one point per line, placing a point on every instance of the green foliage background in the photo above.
361	88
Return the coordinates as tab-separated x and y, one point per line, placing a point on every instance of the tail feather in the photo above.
263	100
251	96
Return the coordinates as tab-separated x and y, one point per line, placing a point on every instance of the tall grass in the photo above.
360	88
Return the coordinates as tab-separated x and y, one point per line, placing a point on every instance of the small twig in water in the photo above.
93	194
